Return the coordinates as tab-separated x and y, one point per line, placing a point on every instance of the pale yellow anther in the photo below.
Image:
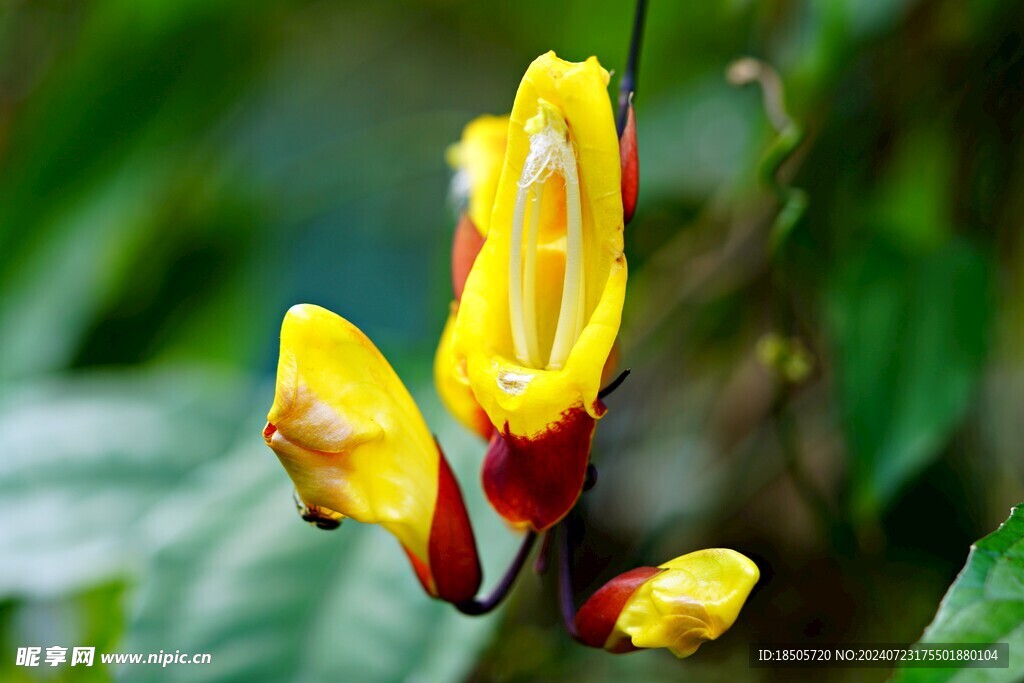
548	117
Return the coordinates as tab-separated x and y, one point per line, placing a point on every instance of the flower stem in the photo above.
566	599
615	384
476	606
840	533
540	565
627	86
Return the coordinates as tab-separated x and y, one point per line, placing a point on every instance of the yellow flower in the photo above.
542	304
355	445
678	606
477	159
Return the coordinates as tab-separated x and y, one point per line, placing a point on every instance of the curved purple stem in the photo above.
476	606
566	599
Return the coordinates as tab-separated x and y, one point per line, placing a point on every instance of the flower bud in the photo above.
630	162
678	606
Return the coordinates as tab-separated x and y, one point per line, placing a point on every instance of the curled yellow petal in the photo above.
354	443
695	598
453	385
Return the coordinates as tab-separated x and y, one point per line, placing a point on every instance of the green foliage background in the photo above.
175	174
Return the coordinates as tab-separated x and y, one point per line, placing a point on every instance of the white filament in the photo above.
550	151
571	313
515	280
530	277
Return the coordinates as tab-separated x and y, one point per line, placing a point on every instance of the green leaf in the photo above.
92	157
83	460
984	605
910	335
115	479
236	574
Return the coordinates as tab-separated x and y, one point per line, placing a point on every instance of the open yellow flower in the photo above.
679	605
541	308
355	445
477	160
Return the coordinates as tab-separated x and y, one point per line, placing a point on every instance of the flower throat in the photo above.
551	152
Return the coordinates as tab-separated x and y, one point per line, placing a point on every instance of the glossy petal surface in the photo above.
354	443
696	598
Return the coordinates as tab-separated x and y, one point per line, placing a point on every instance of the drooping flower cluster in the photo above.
539	280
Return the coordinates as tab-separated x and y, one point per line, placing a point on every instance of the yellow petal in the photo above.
453	385
695	598
477	160
347	430
527	398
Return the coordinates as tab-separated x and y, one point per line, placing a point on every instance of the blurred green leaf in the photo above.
303	605
235	573
984	605
913	205
85	458
126	109
217	556
910	335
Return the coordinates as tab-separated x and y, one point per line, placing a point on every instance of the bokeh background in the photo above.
175	174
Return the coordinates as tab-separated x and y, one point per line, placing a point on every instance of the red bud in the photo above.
268	432
466	245
630	166
596	618
452	548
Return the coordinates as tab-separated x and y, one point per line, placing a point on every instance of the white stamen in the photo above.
551	151
570	313
581	313
530	277
515	279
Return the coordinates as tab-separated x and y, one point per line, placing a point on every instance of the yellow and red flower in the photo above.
477	160
679	605
542	304
355	445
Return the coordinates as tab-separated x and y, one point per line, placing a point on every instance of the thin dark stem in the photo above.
476	606
836	527
615	384
566	599
785	426
540	565
627	86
